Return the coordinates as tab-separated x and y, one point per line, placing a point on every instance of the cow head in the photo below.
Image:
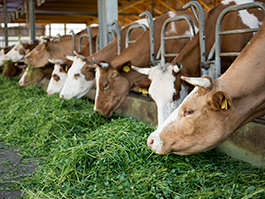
162	88
39	56
80	79
190	128
35	75
58	78
112	86
16	53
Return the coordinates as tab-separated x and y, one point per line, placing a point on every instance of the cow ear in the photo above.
220	101
125	67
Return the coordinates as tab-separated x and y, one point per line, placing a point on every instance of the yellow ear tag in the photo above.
126	69
224	104
143	90
47	48
15	64
66	68
95	70
28	50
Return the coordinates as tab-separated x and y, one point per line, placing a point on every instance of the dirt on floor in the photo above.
13	168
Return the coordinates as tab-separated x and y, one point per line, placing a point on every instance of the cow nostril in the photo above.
20	83
61	96
150	142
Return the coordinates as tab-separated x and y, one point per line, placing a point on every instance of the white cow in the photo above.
59	76
78	82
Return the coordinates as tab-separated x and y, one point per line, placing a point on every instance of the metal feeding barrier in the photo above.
128	33
114	34
150	22
200	18
74	40
89	36
219	33
164	38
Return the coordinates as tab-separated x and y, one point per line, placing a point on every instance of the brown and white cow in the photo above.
18	52
214	110
14	58
166	87
115	81
59	75
35	75
81	77
39	56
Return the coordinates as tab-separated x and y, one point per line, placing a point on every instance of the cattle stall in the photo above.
88	155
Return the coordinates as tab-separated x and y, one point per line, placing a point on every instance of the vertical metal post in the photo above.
107	13
31	21
50	30
5	23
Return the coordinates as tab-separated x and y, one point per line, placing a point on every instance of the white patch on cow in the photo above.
97	87
21	82
249	20
14	54
238	2
56	86
155	136
173	28
94	25
142	21
76	86
2	57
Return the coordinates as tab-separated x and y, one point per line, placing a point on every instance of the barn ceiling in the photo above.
85	11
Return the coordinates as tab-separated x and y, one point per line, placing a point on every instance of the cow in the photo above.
59	75
56	49
215	109
114	81
20	50
15	56
77	87
35	75
166	87
3	52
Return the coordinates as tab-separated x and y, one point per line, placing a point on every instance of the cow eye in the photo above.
188	112
76	75
104	85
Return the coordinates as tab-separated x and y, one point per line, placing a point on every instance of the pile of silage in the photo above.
84	155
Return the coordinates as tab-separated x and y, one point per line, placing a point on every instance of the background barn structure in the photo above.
33	15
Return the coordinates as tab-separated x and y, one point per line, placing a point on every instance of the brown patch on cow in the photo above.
56	77
145	84
88	72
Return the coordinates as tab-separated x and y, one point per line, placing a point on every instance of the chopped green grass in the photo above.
84	155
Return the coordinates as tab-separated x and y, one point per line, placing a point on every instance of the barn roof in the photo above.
85	11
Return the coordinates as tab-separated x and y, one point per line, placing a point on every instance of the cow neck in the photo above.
189	58
245	79
139	52
134	77
107	53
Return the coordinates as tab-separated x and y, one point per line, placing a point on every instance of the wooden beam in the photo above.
166	5
204	5
156	10
129	5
